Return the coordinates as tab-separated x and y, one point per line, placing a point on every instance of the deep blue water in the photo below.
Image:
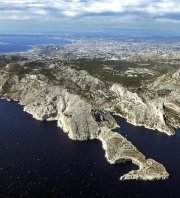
21	43
38	160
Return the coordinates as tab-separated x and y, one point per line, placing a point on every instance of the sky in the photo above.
113	16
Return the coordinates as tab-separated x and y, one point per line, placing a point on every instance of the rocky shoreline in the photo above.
81	120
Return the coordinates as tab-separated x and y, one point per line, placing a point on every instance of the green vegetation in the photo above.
109	70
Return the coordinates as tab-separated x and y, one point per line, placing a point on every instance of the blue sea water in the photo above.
38	160
21	43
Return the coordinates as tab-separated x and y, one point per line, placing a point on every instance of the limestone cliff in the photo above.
45	100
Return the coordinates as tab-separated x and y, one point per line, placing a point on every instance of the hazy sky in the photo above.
89	15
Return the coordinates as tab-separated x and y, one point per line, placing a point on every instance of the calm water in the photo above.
37	159
21	43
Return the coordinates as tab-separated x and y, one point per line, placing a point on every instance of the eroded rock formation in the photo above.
45	100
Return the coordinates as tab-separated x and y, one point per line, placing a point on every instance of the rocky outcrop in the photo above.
150	170
167	87
45	100
149	114
119	150
81	78
139	109
176	75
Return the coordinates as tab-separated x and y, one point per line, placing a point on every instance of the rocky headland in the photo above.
82	105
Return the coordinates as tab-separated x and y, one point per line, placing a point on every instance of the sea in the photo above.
37	159
12	43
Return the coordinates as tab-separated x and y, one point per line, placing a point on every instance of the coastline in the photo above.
107	137
56	102
143	125
33	47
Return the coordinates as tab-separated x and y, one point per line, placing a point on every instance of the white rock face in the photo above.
176	75
79	119
137	112
150	170
80	78
119	150
167	87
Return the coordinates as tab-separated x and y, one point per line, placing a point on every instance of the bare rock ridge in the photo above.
139	109
119	150
155	107
149	114
80	119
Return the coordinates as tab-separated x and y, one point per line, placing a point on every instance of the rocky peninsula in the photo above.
82	105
